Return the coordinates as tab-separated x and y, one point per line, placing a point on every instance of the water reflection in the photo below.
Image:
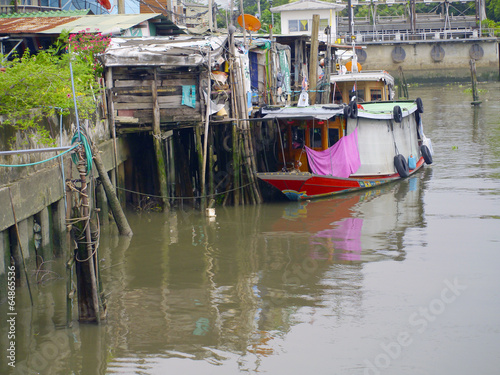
187	293
228	292
357	227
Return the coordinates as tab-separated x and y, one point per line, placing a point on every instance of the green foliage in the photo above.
493	10
488	25
34	87
87	46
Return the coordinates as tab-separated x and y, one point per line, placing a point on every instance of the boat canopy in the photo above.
319	112
370	75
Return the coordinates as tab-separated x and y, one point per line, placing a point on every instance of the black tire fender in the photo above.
347	111
401	165
426	154
397	113
420	105
354	109
225	143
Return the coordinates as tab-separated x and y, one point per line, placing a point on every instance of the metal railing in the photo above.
422	35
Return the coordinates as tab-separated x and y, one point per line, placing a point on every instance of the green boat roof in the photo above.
388	107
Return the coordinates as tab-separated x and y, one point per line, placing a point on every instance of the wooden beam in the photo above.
158	145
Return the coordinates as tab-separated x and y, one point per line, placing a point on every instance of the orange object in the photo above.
105	3
348	66
251	23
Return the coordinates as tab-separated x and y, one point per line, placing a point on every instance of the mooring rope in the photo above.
166	197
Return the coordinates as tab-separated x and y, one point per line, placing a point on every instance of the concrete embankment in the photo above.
434	60
34	196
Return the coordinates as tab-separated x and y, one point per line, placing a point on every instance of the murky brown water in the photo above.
400	280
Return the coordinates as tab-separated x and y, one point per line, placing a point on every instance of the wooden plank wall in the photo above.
133	102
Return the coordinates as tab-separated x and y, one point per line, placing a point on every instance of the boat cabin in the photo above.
315	127
369	86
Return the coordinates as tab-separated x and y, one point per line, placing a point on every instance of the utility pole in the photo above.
210	15
349	6
313	60
121	6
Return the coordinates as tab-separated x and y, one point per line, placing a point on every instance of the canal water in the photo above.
399	280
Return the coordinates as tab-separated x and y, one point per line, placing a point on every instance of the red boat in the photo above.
332	149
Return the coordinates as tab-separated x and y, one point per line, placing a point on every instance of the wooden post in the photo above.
89	310
207	124
199	153
211	162
120	219
475	94
111	120
236	164
158	142
313	60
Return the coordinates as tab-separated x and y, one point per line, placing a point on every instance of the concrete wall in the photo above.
419	65
37	196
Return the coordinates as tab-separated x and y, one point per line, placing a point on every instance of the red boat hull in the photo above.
301	186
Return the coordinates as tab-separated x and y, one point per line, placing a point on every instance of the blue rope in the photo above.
40	162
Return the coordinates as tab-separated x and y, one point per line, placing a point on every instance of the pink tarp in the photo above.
340	160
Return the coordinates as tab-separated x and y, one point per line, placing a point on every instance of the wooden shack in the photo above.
183	150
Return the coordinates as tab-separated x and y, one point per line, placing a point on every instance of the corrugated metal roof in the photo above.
29	25
106	24
161	51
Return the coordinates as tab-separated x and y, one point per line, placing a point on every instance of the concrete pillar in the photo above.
59	232
16	250
46	243
4	252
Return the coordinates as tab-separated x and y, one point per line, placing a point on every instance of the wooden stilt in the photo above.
236	165
207	124
88	300
211	162
199	154
475	94
158	142
120	219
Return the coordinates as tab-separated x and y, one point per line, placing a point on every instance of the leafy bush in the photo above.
36	86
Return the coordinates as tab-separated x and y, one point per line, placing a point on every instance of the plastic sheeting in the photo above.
380	140
340	160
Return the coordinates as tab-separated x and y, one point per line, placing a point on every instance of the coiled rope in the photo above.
81	138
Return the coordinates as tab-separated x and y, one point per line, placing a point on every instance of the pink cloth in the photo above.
340	160
342	242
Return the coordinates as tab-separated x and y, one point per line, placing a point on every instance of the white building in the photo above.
296	17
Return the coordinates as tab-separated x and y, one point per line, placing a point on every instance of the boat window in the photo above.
293	25
315	137
376	94
298	136
333	136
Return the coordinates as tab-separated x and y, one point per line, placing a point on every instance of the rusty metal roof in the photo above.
32	25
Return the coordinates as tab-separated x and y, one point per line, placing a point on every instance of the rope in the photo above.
165	197
82	139
40	162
